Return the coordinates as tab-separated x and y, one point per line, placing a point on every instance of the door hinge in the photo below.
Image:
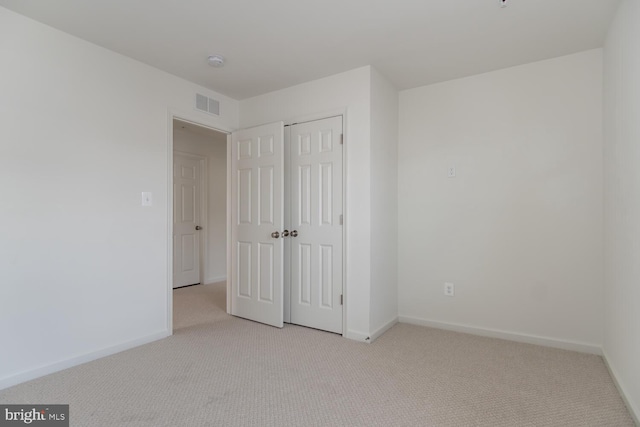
341	220
341	138
341	299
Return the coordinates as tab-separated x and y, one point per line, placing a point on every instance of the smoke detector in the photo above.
216	61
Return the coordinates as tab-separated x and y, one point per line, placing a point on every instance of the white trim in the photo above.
357	336
317	116
633	411
169	241
78	360
345	221
217	279
200	120
204	211
505	335
286	274
384	328
229	223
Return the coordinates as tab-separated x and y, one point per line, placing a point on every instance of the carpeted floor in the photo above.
217	370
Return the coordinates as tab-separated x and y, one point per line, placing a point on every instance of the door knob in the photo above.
294	233
285	233
275	234
198	227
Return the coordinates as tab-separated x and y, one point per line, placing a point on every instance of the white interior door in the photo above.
257	175
315	223
186	220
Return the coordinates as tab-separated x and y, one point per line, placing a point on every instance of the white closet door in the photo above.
315	172
257	215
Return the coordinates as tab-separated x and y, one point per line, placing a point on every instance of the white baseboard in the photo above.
505	335
79	360
215	280
357	336
384	328
633	410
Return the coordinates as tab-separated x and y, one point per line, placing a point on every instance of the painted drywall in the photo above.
518	230
333	95
384	203
83	131
214	149
622	201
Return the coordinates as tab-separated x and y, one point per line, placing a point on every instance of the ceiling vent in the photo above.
208	105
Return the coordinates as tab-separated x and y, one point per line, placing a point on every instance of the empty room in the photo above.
360	213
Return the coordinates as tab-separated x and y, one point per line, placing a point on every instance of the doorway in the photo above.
199	226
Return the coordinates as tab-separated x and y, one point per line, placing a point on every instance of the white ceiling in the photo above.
272	44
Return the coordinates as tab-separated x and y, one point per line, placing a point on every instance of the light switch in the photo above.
147	198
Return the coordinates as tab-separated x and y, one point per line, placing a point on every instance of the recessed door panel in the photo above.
326	193
303	207
304	144
266	252
188	205
244	269
266	194
244	196
265	144
304	274
326	276
244	149
326	141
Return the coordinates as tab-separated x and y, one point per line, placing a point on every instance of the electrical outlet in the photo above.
449	289
452	172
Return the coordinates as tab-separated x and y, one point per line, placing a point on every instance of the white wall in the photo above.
83	267
350	91
214	149
519	229
384	204
622	201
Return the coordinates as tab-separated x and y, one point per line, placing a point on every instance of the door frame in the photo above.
197	119
204	210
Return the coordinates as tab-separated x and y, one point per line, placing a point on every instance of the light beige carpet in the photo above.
222	371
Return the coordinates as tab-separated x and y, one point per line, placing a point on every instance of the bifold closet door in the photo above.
257	219
315	223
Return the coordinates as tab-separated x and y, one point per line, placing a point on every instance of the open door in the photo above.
257	182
